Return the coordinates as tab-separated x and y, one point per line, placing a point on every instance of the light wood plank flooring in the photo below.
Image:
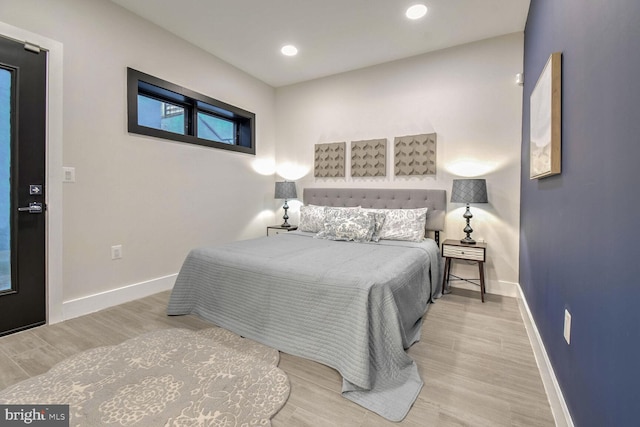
475	359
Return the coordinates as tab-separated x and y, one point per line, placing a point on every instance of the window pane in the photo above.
160	115
215	129
5	180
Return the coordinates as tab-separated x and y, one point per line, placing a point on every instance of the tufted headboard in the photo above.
381	198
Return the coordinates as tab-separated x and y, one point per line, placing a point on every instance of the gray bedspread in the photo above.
353	306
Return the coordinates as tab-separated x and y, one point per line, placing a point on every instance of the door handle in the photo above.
33	208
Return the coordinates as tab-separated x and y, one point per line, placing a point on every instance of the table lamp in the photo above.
469	191
286	190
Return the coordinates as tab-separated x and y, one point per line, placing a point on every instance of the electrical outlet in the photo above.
116	252
567	326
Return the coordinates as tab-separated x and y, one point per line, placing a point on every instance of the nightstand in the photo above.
272	230
453	249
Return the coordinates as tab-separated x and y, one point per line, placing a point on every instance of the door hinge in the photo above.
31	47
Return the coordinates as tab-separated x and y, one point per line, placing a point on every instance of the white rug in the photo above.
172	377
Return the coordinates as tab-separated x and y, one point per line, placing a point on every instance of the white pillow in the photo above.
312	217
403	224
348	224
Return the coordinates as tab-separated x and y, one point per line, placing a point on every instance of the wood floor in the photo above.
475	360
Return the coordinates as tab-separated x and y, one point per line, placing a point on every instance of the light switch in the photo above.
68	174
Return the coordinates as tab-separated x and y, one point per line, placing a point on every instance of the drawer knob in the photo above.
462	252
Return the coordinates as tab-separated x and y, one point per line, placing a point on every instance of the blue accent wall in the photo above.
580	230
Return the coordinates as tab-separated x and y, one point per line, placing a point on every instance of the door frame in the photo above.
54	143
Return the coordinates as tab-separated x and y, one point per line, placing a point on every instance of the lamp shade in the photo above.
469	191
286	190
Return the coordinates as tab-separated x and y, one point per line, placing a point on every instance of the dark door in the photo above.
22	186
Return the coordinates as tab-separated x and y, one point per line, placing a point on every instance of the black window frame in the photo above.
139	83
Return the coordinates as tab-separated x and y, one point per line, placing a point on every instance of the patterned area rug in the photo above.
172	377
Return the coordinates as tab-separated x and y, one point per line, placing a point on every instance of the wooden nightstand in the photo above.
453	249
272	230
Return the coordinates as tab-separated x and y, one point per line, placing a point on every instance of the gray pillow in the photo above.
379	223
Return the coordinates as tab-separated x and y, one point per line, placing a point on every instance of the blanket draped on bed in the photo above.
353	306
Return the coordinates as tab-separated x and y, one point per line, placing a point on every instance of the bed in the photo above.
354	306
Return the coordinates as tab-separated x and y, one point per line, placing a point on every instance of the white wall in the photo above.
466	94
157	198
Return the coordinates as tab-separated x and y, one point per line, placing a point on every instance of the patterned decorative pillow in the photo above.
311	218
402	224
348	224
379	223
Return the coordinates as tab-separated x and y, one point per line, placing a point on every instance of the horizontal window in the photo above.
164	110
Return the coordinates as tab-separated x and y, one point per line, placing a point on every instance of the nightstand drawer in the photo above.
463	252
272	230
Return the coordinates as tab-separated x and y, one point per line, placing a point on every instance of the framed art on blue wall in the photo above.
545	121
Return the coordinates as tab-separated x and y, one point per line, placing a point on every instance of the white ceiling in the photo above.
332	36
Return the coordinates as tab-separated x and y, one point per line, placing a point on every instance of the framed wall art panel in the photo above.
329	160
546	121
415	154
369	158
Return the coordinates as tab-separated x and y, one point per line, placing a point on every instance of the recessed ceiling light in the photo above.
289	50
416	11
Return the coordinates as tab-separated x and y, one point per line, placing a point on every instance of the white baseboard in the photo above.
92	303
559	407
496	287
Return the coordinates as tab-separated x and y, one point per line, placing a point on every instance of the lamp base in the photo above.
467	229
285	217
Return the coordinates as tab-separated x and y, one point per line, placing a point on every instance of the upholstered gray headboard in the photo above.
381	198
